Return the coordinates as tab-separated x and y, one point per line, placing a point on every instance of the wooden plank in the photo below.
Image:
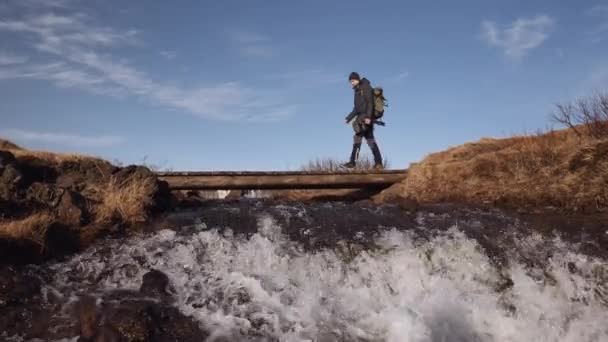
279	180
277	173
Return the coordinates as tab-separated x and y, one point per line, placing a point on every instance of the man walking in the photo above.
362	117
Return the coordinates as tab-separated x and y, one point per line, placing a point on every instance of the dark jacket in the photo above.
364	102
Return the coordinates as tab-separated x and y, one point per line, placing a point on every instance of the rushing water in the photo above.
334	272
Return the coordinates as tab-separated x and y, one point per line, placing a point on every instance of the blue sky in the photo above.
263	84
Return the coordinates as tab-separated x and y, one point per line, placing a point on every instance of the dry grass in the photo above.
7	145
32	228
332	165
53	158
557	168
49	157
127	199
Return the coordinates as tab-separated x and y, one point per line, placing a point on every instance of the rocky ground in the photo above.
122	315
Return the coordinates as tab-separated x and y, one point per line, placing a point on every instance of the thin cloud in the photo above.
247	37
403	75
62	138
600	30
252	43
11	59
168	54
257	51
45	3
597	10
520	37
81	62
313	77
598	79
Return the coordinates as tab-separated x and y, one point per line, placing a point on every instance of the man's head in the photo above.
354	79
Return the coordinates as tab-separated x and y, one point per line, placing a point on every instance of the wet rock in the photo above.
61	240
17	288
88	317
193	193
134	319
407	204
366	203
155	284
19	252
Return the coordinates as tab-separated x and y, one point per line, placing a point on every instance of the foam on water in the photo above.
267	287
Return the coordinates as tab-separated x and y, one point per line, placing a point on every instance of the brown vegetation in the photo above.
559	169
128	200
44	156
32	228
332	165
70	193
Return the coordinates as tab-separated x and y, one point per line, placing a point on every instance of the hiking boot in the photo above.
379	167
377	155
354	155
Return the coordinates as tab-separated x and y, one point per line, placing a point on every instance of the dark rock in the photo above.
88	317
366	203
134	319
61	240
407	204
129	321
45	194
19	252
193	193
155	284
6	158
168	324
10	178
71	209
17	288
37	170
77	175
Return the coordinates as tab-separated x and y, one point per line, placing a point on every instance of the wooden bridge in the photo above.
281	180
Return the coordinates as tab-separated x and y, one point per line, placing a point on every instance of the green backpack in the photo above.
379	103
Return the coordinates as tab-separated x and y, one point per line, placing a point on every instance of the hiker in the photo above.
363	124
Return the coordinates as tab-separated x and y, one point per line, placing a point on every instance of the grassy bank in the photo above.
559	168
44	195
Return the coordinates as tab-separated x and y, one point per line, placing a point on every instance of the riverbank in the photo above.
555	171
54	204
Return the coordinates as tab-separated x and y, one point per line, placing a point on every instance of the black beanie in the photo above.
354	76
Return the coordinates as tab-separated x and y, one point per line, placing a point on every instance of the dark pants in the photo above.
368	134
